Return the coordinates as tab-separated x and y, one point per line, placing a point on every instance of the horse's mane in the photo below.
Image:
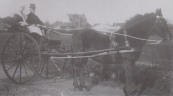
0	19
136	27
138	19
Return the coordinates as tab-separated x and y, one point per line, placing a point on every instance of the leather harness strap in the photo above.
112	38
126	42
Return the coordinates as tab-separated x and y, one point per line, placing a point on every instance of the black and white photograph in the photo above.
86	48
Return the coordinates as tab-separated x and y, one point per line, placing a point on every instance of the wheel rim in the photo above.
21	58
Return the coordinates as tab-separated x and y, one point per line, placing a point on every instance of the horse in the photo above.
133	35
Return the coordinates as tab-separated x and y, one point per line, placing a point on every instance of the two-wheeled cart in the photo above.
22	58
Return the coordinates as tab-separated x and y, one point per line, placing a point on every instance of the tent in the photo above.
105	28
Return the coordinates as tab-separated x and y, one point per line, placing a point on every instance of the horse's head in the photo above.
1	20
161	26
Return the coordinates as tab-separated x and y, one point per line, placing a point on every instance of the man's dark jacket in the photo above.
33	19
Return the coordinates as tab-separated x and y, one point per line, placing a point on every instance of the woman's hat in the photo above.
32	6
21	7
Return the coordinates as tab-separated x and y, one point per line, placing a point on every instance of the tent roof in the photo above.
105	26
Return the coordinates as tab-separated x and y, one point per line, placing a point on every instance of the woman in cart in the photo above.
33	23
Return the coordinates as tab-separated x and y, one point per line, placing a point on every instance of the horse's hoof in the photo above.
77	89
95	82
84	89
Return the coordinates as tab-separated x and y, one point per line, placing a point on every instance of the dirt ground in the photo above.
55	87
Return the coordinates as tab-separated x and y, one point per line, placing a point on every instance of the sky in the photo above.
96	11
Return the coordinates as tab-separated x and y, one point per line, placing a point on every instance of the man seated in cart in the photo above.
33	21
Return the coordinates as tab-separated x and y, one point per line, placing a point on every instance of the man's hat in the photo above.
32	6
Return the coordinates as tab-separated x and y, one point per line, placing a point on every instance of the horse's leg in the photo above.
128	66
128	63
140	89
104	74
82	74
117	76
75	64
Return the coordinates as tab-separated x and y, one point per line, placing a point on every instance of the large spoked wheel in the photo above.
50	67
21	58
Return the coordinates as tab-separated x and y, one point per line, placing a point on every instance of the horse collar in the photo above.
112	39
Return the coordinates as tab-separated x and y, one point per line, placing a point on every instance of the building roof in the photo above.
105	26
66	24
119	24
77	16
62	24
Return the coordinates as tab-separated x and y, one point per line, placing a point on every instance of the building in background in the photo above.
78	20
118	24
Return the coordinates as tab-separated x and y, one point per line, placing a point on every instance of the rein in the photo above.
136	37
126	42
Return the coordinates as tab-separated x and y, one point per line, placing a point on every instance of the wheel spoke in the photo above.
9	61
34	63
20	44
33	60
25	70
29	66
58	66
30	55
51	66
9	54
11	66
20	71
23	50
43	66
29	49
13	47
15	70
47	68
16	46
51	62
